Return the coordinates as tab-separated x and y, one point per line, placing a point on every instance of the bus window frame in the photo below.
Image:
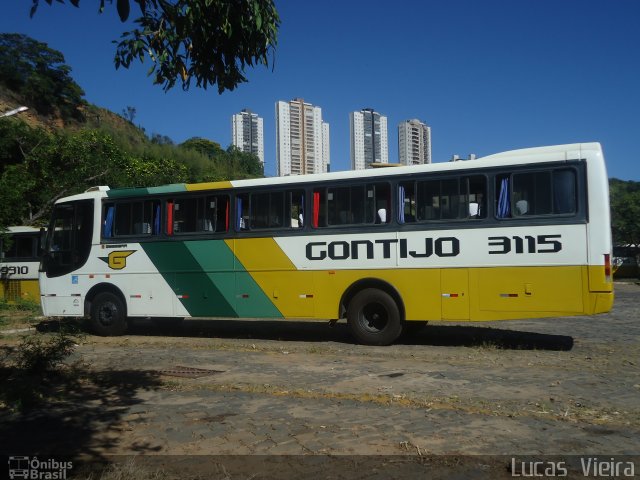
580	213
462	180
370	222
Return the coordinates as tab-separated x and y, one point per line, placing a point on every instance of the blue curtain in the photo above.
238	213
401	197
107	230
156	221
504	202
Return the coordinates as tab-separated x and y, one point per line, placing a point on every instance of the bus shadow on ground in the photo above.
304	331
313	331
471	336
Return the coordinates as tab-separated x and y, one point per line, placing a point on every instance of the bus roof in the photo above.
558	153
23	229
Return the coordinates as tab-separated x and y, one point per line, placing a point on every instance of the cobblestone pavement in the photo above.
567	386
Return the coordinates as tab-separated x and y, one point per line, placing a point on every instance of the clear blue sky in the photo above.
487	76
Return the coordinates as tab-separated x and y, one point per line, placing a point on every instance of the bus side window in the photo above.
296	209
185	215
430	203
407	202
531	193
503	197
259	210
131	218
346	205
156	217
477	194
319	214
564	191
380	194
267	210
243	208
107	224
123	217
218	212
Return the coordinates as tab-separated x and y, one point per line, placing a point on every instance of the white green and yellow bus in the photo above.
19	262
520	234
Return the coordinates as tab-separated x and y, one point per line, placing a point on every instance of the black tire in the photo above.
374	317
108	315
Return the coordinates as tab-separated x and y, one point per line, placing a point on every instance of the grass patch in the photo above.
130	470
30	370
18	314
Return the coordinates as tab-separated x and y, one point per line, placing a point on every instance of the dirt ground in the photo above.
263	399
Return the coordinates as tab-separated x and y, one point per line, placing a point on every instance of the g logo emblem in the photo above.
117	260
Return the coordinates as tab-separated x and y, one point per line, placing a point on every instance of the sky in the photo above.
486	75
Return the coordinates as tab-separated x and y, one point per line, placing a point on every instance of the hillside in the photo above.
94	118
63	144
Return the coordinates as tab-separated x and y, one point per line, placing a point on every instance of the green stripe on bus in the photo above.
137	191
209	279
252	301
199	292
240	289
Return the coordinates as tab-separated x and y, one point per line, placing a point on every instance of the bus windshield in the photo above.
69	239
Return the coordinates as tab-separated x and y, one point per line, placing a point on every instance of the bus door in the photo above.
66	251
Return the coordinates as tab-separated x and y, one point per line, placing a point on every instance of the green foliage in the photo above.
203	146
39	75
29	372
220	164
39	167
147	171
20	305
40	354
211	41
625	211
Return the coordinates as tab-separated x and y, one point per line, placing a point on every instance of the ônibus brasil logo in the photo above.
32	468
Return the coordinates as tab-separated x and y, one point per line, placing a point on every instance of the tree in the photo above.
211	41
203	146
625	212
242	164
223	164
38	73
129	113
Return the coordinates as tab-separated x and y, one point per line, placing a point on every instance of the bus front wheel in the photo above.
108	315
373	317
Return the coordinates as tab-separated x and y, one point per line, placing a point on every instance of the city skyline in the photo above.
482	82
368	134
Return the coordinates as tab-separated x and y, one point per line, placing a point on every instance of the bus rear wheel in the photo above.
373	317
108	315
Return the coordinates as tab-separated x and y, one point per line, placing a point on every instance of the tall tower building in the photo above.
369	140
302	139
247	133
414	143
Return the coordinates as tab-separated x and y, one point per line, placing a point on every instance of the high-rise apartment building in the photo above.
247	133
302	139
369	140
414	143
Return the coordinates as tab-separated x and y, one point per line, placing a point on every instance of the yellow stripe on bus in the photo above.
192	187
476	294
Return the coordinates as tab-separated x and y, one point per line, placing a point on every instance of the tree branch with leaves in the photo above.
211	42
